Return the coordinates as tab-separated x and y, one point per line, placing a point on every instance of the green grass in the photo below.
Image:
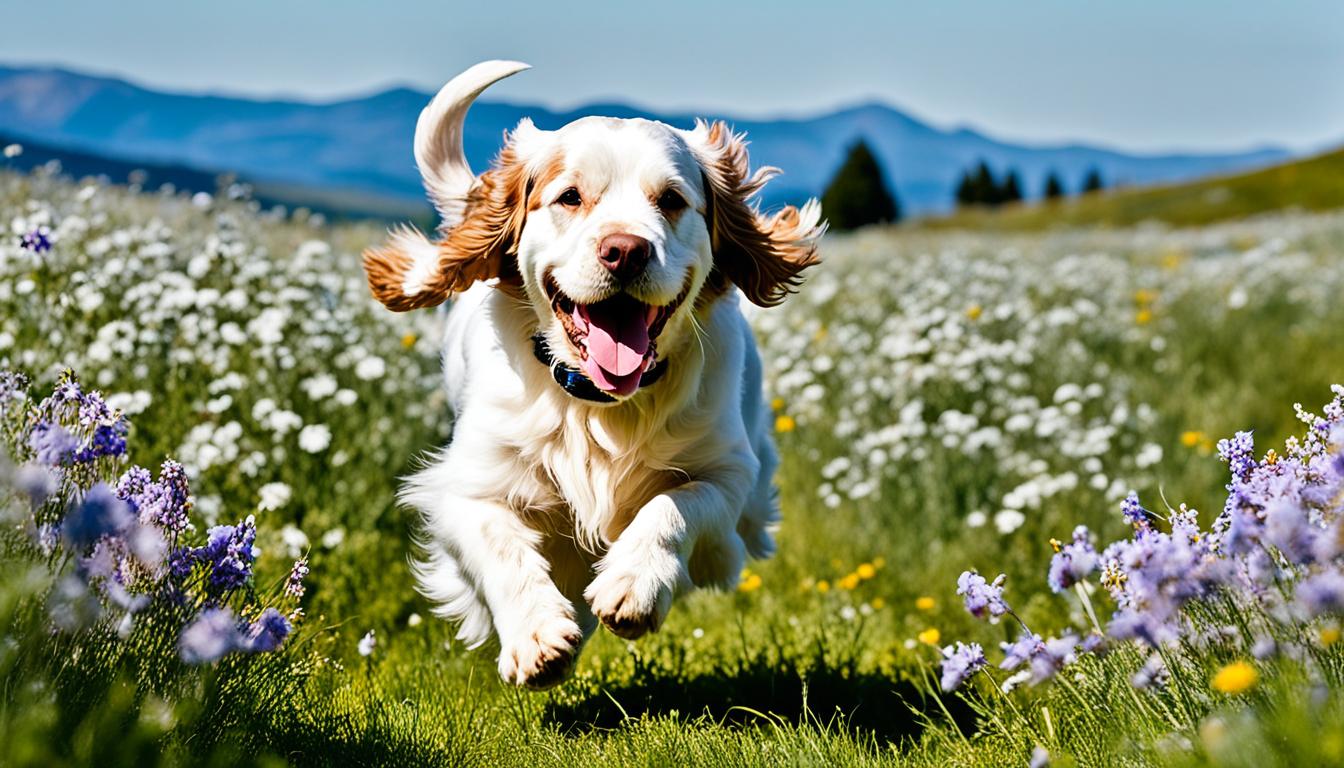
1206	330
1312	184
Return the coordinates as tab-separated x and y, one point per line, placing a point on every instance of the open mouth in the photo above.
616	338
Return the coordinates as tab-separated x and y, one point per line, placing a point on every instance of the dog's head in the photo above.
614	230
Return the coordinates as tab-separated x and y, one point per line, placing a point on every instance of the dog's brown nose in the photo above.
625	255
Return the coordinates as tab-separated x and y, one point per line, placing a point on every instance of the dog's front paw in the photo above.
541	655
632	595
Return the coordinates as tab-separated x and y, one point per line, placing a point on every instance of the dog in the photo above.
611	446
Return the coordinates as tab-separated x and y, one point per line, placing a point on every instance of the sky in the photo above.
1140	75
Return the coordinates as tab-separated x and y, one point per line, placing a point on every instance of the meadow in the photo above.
945	400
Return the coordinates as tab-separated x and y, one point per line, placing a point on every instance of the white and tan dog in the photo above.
611	448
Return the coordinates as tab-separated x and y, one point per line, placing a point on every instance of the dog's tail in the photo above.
438	138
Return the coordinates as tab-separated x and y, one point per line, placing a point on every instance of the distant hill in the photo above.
364	144
332	202
1313	184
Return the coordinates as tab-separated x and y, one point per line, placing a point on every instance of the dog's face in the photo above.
615	247
614	231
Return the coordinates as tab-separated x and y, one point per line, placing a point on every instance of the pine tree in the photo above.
858	194
1011	191
984	186
965	190
1093	181
1054	188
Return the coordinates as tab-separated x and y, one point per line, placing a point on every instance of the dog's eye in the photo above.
670	201
570	198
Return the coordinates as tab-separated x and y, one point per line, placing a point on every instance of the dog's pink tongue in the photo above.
623	386
618	339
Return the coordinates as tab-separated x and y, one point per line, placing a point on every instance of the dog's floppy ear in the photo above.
763	255
481	217
409	272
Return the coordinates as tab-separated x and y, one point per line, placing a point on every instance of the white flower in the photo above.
319	386
413	620
371	367
273	496
367	644
314	438
333	538
976	519
1009	520
294	539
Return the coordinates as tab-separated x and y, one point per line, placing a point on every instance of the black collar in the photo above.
580	386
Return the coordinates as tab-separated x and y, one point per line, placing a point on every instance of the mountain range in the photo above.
362	146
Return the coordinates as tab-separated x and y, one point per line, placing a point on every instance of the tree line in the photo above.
859	194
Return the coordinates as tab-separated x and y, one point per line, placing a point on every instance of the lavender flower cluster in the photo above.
130	541
1276	549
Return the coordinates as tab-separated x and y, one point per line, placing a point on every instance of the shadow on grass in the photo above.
866	704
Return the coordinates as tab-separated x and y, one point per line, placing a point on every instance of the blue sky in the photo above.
1136	74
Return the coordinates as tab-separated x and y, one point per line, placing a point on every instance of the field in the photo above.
945	401
1311	184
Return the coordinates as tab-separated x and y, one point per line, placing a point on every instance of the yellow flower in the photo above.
777	404
1192	438
849	581
1143	316
866	571
820	334
750	582
877	603
1143	296
784	423
1237	677
823	586
878	562
408	340
1329	635
974	311
924	603
1173	260
929	636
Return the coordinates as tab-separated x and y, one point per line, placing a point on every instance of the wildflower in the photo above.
1134	511
974	311
784	423
1328	635
930	636
35	482
1237	677
52	444
750	581
823	586
229	554
1040	758
1143	316
1321	593
1191	438
268	632
924	603
878	603
848	581
865	571
1073	562
99	514
315	438
1239	453
982	598
408	340
1021	650
273	496
1152	673
214	633
36	240
294	583
960	662
367	643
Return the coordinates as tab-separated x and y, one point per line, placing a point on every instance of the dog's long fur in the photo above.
547	513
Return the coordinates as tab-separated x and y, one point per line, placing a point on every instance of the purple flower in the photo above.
1055	654
1134	511
229	554
1073	562
960	663
52	444
165	503
1153	672
1322	593
982	598
107	440
37	240
1239	453
268	632
214	633
1020	651
100	513
294	584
